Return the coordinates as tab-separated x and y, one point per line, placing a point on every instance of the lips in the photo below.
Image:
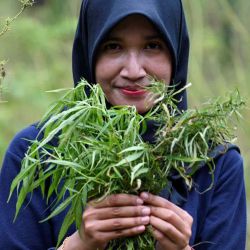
133	91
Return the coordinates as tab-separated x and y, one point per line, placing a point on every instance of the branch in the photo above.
8	21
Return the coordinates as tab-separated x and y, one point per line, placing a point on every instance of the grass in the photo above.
38	50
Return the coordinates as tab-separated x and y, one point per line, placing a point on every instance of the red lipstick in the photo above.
133	92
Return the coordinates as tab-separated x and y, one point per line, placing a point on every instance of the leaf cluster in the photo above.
100	150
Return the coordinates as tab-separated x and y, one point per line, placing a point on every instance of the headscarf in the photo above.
96	20
98	17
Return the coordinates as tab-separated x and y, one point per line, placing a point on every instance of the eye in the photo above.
154	46
112	46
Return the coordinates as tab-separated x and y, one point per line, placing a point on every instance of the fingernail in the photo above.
145	219
139	201
144	196
141	228
146	211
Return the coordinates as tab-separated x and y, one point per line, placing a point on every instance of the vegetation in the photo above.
8	21
101	152
38	51
3	30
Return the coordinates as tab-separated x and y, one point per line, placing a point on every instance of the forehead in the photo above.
134	24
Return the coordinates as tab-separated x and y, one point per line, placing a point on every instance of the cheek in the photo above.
106	69
160	68
100	71
161	73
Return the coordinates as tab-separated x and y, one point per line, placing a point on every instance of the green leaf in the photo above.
20	200
21	176
184	158
67	222
55	131
137	171
129	159
78	210
84	195
133	148
60	208
57	177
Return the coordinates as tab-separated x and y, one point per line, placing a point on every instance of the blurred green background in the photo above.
38	50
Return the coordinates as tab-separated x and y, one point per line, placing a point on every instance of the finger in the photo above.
121	233
171	217
158	201
162	240
170	232
117	200
121	223
116	212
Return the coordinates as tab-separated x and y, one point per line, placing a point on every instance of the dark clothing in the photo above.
219	214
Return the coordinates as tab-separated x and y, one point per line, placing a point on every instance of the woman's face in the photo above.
132	51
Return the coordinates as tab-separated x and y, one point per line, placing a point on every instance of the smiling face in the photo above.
132	51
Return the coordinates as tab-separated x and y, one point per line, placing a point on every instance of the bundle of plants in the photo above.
100	150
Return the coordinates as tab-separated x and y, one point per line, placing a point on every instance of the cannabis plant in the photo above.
100	151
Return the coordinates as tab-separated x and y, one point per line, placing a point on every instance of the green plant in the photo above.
100	150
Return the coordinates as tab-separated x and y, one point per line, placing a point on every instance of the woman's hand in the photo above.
171	225
116	216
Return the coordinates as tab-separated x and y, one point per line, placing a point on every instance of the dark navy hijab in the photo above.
98	17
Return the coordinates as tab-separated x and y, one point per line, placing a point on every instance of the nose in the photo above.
133	67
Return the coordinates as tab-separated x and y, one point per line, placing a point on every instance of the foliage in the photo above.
5	28
100	150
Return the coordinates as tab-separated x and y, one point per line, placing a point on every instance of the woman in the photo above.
119	45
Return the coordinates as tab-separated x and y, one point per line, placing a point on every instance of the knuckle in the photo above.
116	211
130	232
184	242
112	199
170	215
154	210
133	231
87	214
188	217
89	228
151	197
138	211
137	221
168	228
189	233
141	211
191	220
117	224
159	236
119	233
